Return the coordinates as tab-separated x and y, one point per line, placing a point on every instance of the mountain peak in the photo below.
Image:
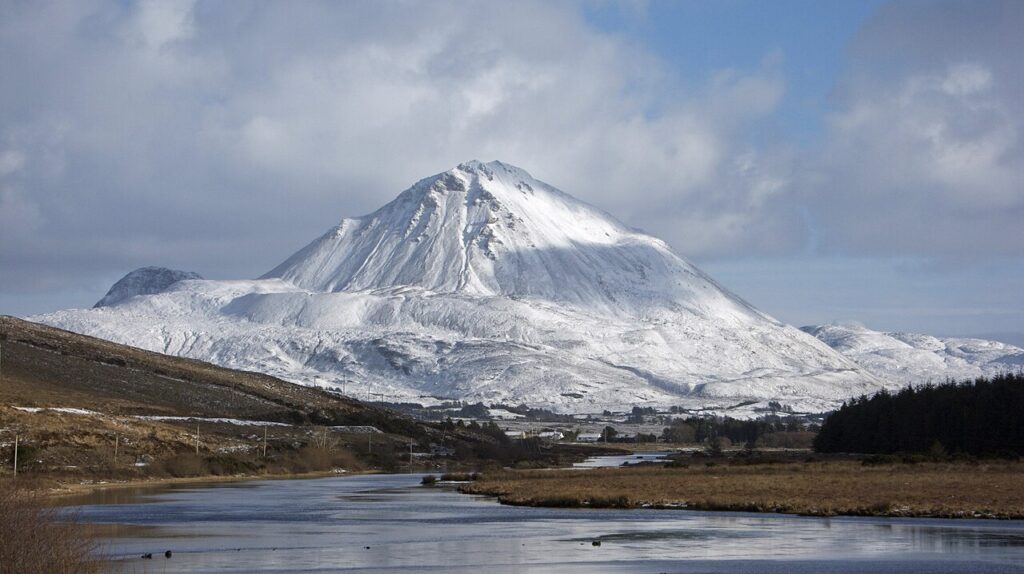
492	229
144	281
491	168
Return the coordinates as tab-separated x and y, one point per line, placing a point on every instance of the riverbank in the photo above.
831	488
59	490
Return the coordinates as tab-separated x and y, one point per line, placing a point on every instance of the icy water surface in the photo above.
655	456
389	523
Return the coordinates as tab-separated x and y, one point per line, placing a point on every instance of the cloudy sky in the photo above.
829	161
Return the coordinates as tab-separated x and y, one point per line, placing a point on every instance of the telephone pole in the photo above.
197	439
15	456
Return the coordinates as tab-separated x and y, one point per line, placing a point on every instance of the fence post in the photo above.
15	456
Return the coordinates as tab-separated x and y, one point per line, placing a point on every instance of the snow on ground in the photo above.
237	422
906	358
502	414
65	410
86	412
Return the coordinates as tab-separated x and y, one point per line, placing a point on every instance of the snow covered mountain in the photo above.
906	358
144	281
484	284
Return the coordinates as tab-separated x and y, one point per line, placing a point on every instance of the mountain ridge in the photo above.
144	281
914	358
483	283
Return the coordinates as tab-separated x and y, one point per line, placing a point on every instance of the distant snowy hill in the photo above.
484	284
906	358
144	281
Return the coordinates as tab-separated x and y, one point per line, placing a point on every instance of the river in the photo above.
389	523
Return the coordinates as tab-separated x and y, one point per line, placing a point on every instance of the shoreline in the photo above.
866	512
67	490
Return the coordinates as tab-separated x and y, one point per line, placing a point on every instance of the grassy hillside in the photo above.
76	401
43	366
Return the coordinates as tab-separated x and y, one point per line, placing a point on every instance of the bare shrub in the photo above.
37	539
312	458
460	476
787	439
228	465
184	465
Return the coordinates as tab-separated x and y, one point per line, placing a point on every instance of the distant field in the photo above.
962	490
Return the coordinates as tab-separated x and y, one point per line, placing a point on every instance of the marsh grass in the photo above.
38	539
994	489
460	476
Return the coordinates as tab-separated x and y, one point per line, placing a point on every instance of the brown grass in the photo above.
45	367
73	448
34	539
992	490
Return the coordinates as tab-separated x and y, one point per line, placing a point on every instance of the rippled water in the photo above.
385	523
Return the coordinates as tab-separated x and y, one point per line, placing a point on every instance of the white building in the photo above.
588	437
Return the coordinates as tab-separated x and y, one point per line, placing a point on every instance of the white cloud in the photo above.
157	23
220	136
967	79
926	145
11	160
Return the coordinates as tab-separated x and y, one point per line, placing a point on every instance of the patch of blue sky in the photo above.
805	39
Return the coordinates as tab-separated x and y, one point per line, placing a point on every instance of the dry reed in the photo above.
38	539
